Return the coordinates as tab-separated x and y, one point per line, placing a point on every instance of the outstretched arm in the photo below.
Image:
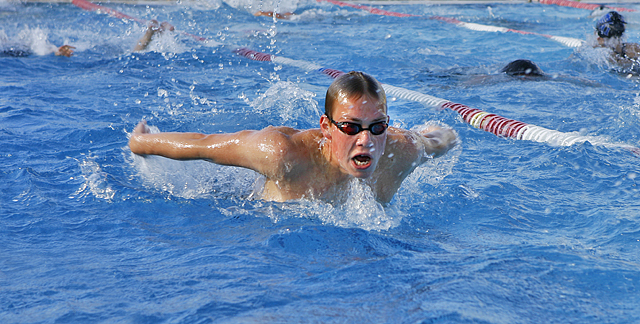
153	28
255	150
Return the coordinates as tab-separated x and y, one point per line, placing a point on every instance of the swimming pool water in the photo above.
497	231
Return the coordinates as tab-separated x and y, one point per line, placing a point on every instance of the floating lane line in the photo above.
582	5
86	5
492	123
567	41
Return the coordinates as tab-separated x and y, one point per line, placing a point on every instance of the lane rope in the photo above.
582	5
567	41
492	123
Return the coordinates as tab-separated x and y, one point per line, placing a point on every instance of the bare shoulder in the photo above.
287	136
282	130
399	138
431	141
285	149
403	145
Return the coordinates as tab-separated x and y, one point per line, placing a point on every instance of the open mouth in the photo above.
362	161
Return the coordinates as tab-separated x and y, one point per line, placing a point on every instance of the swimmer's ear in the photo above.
325	125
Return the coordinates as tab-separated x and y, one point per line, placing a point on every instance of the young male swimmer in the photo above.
354	141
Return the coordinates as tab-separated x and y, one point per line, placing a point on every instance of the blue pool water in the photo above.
497	231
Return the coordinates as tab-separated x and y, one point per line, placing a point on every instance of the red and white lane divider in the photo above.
492	123
582	5
567	41
498	125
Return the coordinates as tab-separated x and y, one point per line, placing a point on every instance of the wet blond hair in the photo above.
354	84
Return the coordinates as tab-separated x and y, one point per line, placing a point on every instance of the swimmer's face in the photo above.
358	154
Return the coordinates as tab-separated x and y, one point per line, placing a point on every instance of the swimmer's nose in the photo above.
364	138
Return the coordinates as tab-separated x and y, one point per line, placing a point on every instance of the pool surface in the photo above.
500	230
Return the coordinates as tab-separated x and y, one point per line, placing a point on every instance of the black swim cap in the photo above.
610	25
522	67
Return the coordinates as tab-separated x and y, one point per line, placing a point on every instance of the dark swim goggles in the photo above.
352	128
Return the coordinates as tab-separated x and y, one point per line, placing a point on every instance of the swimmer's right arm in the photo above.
243	149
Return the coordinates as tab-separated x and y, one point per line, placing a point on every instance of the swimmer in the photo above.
354	141
22	49
285	15
522	68
153	28
610	29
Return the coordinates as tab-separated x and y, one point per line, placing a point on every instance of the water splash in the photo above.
201	4
601	57
254	6
167	43
36	40
359	210
95	182
285	103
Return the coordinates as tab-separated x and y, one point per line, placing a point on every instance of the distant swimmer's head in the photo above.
610	25
522	68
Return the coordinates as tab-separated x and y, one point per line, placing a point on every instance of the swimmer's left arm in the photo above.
437	140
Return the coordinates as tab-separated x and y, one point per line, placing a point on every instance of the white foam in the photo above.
598	56
359	210
254	6
285	103
95	182
201	4
36	39
168	43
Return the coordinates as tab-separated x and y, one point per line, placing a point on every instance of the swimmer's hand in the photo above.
142	128
65	50
438	140
166	26
136	136
154	26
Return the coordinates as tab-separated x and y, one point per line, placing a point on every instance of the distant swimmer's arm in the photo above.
256	150
152	29
285	15
632	51
64	50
